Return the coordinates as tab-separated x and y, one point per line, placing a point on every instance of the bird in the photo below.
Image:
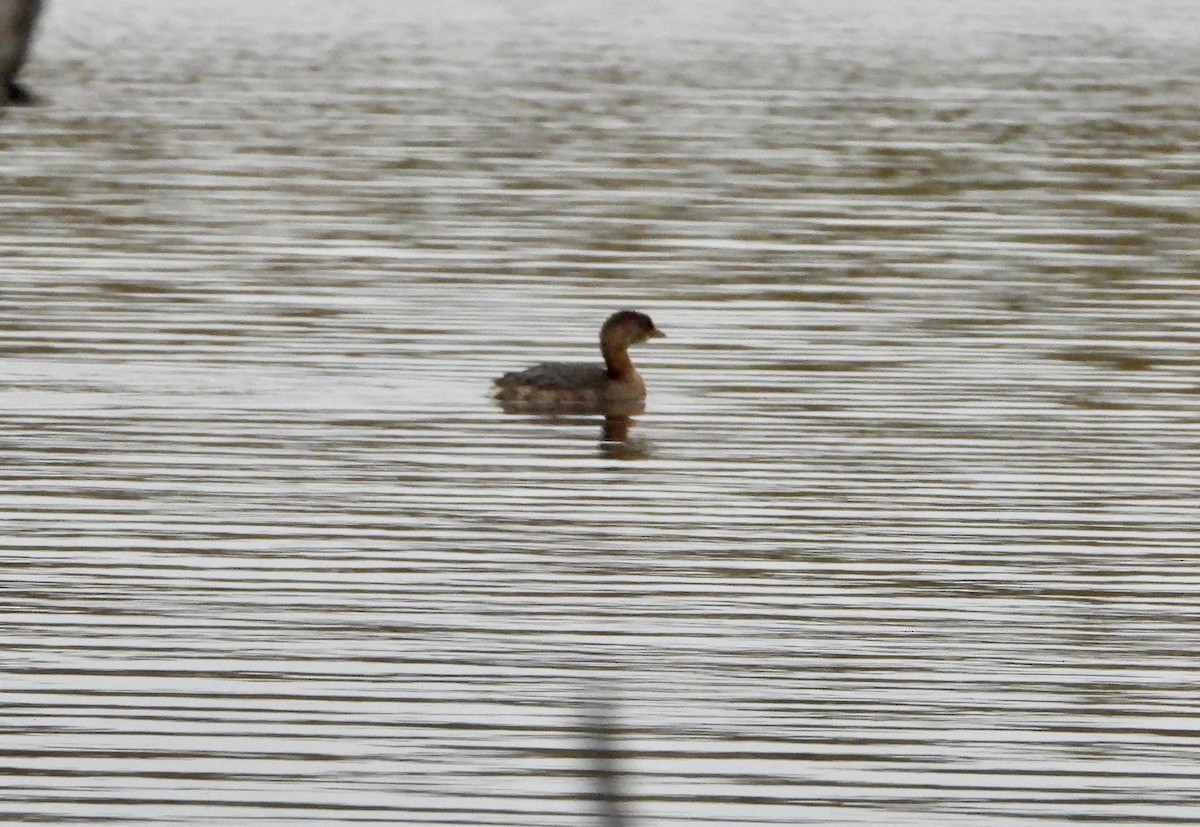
572	386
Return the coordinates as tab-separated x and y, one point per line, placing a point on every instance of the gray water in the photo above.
907	534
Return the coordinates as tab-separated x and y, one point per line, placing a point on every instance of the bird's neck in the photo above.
618	363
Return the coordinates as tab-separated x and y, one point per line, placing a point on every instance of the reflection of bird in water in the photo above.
575	387
615	441
17	19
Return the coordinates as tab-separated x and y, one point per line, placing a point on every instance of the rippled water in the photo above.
908	532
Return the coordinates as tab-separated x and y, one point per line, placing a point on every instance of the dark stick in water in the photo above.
601	734
17	20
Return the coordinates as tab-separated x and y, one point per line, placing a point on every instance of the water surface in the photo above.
907	533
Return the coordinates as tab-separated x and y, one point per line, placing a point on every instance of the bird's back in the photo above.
554	382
